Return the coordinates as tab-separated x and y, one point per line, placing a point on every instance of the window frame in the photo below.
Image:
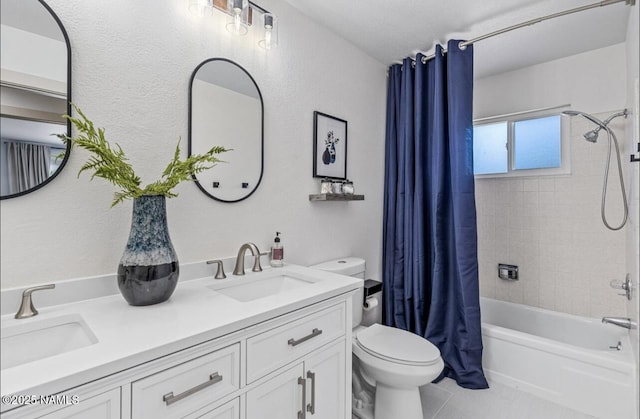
511	119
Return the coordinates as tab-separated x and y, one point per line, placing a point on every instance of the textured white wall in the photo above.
591	82
550	225
131	67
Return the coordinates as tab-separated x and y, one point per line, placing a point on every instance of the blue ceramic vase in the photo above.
148	271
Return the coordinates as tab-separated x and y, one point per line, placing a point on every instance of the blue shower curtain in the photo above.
430	264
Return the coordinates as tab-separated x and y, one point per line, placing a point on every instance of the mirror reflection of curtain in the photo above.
28	165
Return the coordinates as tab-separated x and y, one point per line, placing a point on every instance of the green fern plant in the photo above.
113	165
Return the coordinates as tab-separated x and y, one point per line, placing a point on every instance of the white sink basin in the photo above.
250	289
37	339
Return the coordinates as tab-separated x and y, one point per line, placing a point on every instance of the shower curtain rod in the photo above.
462	45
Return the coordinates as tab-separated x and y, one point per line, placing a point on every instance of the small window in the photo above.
536	143
532	146
490	148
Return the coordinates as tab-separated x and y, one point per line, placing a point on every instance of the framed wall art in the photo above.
329	146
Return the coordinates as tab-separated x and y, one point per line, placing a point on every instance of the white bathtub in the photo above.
560	357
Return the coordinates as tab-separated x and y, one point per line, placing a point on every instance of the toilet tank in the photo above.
349	266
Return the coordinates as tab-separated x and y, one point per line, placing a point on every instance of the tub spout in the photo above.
625	322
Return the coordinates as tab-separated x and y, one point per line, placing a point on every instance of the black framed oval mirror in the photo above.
226	109
36	93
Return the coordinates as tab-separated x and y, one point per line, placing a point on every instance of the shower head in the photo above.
592	136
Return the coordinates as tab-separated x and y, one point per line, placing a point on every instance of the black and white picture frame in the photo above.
329	146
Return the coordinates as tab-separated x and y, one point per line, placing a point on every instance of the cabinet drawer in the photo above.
187	387
102	406
229	410
281	345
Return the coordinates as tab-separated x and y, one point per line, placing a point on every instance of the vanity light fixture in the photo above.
238	11
270	36
201	7
241	16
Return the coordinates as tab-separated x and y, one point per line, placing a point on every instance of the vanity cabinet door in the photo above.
278	398
102	406
326	381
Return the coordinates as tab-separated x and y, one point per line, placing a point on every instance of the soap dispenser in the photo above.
277	252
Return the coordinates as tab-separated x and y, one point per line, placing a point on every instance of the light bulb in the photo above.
237	21
267	38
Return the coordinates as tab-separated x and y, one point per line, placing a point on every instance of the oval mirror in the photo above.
36	91
226	109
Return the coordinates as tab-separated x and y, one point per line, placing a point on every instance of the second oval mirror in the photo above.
35	85
225	109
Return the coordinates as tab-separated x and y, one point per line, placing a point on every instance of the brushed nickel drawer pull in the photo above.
315	332
302	414
311	407
170	399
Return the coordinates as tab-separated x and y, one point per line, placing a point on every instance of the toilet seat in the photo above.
397	346
396	360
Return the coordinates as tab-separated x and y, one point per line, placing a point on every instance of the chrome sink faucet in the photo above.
239	268
26	306
625	322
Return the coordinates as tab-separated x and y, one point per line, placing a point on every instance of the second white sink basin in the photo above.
36	339
252	289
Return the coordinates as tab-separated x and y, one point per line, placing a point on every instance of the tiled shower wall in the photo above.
550	227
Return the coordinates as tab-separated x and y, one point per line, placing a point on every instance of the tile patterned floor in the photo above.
446	400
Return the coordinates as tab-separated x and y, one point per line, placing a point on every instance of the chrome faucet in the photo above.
625	322
26	306
239	268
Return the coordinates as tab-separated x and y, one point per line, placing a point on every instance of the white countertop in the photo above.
128	336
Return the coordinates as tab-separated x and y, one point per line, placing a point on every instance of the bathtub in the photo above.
560	357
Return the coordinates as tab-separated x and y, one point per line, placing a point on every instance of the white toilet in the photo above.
392	362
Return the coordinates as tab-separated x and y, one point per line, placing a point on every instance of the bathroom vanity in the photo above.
274	344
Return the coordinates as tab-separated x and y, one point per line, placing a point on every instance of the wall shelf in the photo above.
335	197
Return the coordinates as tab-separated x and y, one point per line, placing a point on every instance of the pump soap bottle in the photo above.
277	252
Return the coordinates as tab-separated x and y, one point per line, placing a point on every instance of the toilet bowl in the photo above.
394	362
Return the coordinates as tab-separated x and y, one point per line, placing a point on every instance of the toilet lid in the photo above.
397	345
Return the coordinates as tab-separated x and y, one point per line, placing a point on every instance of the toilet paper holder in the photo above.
371	286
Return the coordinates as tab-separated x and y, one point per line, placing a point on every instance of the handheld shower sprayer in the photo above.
592	136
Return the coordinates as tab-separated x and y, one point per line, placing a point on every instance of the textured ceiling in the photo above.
390	30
